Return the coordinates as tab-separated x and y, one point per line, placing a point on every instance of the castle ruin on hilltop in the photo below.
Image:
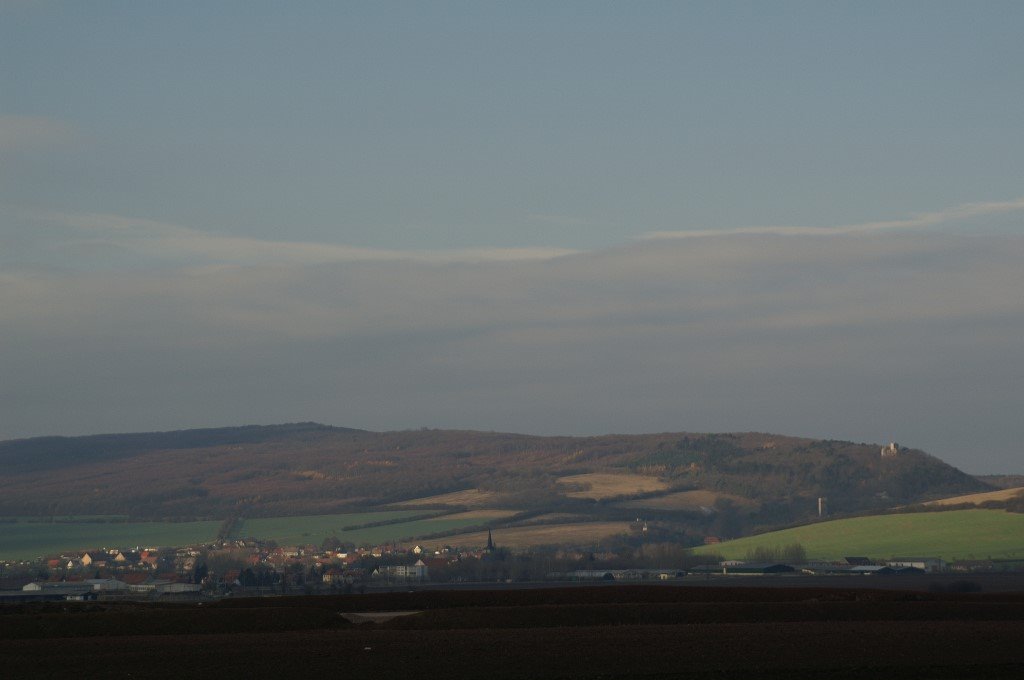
890	451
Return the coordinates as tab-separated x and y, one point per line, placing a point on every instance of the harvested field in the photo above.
978	498
584	533
601	485
554	518
483	514
587	632
470	498
696	500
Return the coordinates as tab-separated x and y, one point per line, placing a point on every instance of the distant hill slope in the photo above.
43	453
1002	481
756	480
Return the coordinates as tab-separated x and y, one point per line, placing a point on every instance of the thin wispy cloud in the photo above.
28	132
171	242
163	240
868	334
929	219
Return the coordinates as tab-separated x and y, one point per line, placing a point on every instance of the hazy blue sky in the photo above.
578	217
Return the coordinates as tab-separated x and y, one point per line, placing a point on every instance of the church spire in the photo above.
490	542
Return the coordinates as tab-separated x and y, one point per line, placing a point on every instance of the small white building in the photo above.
931	565
57	588
106	584
148	586
408	572
166	588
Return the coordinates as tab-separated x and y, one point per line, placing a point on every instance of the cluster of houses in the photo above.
108	574
254	567
245	566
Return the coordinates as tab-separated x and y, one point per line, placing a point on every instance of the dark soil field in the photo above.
599	632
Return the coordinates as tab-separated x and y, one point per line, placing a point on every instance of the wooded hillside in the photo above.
738	482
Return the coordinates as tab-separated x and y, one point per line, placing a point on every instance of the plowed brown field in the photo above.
594	632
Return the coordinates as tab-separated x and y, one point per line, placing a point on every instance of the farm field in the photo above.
554	518
299	529
519	537
48	519
482	514
695	499
28	540
471	498
600	485
976	498
584	632
315	528
955	534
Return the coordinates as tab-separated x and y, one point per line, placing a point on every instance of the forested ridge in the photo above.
757	479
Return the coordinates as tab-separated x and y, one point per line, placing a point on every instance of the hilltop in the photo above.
678	484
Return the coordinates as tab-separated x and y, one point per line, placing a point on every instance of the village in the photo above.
224	568
250	567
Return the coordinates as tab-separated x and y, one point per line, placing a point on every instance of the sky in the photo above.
804	218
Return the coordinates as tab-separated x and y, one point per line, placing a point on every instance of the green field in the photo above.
65	518
315	528
959	534
24	539
28	540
